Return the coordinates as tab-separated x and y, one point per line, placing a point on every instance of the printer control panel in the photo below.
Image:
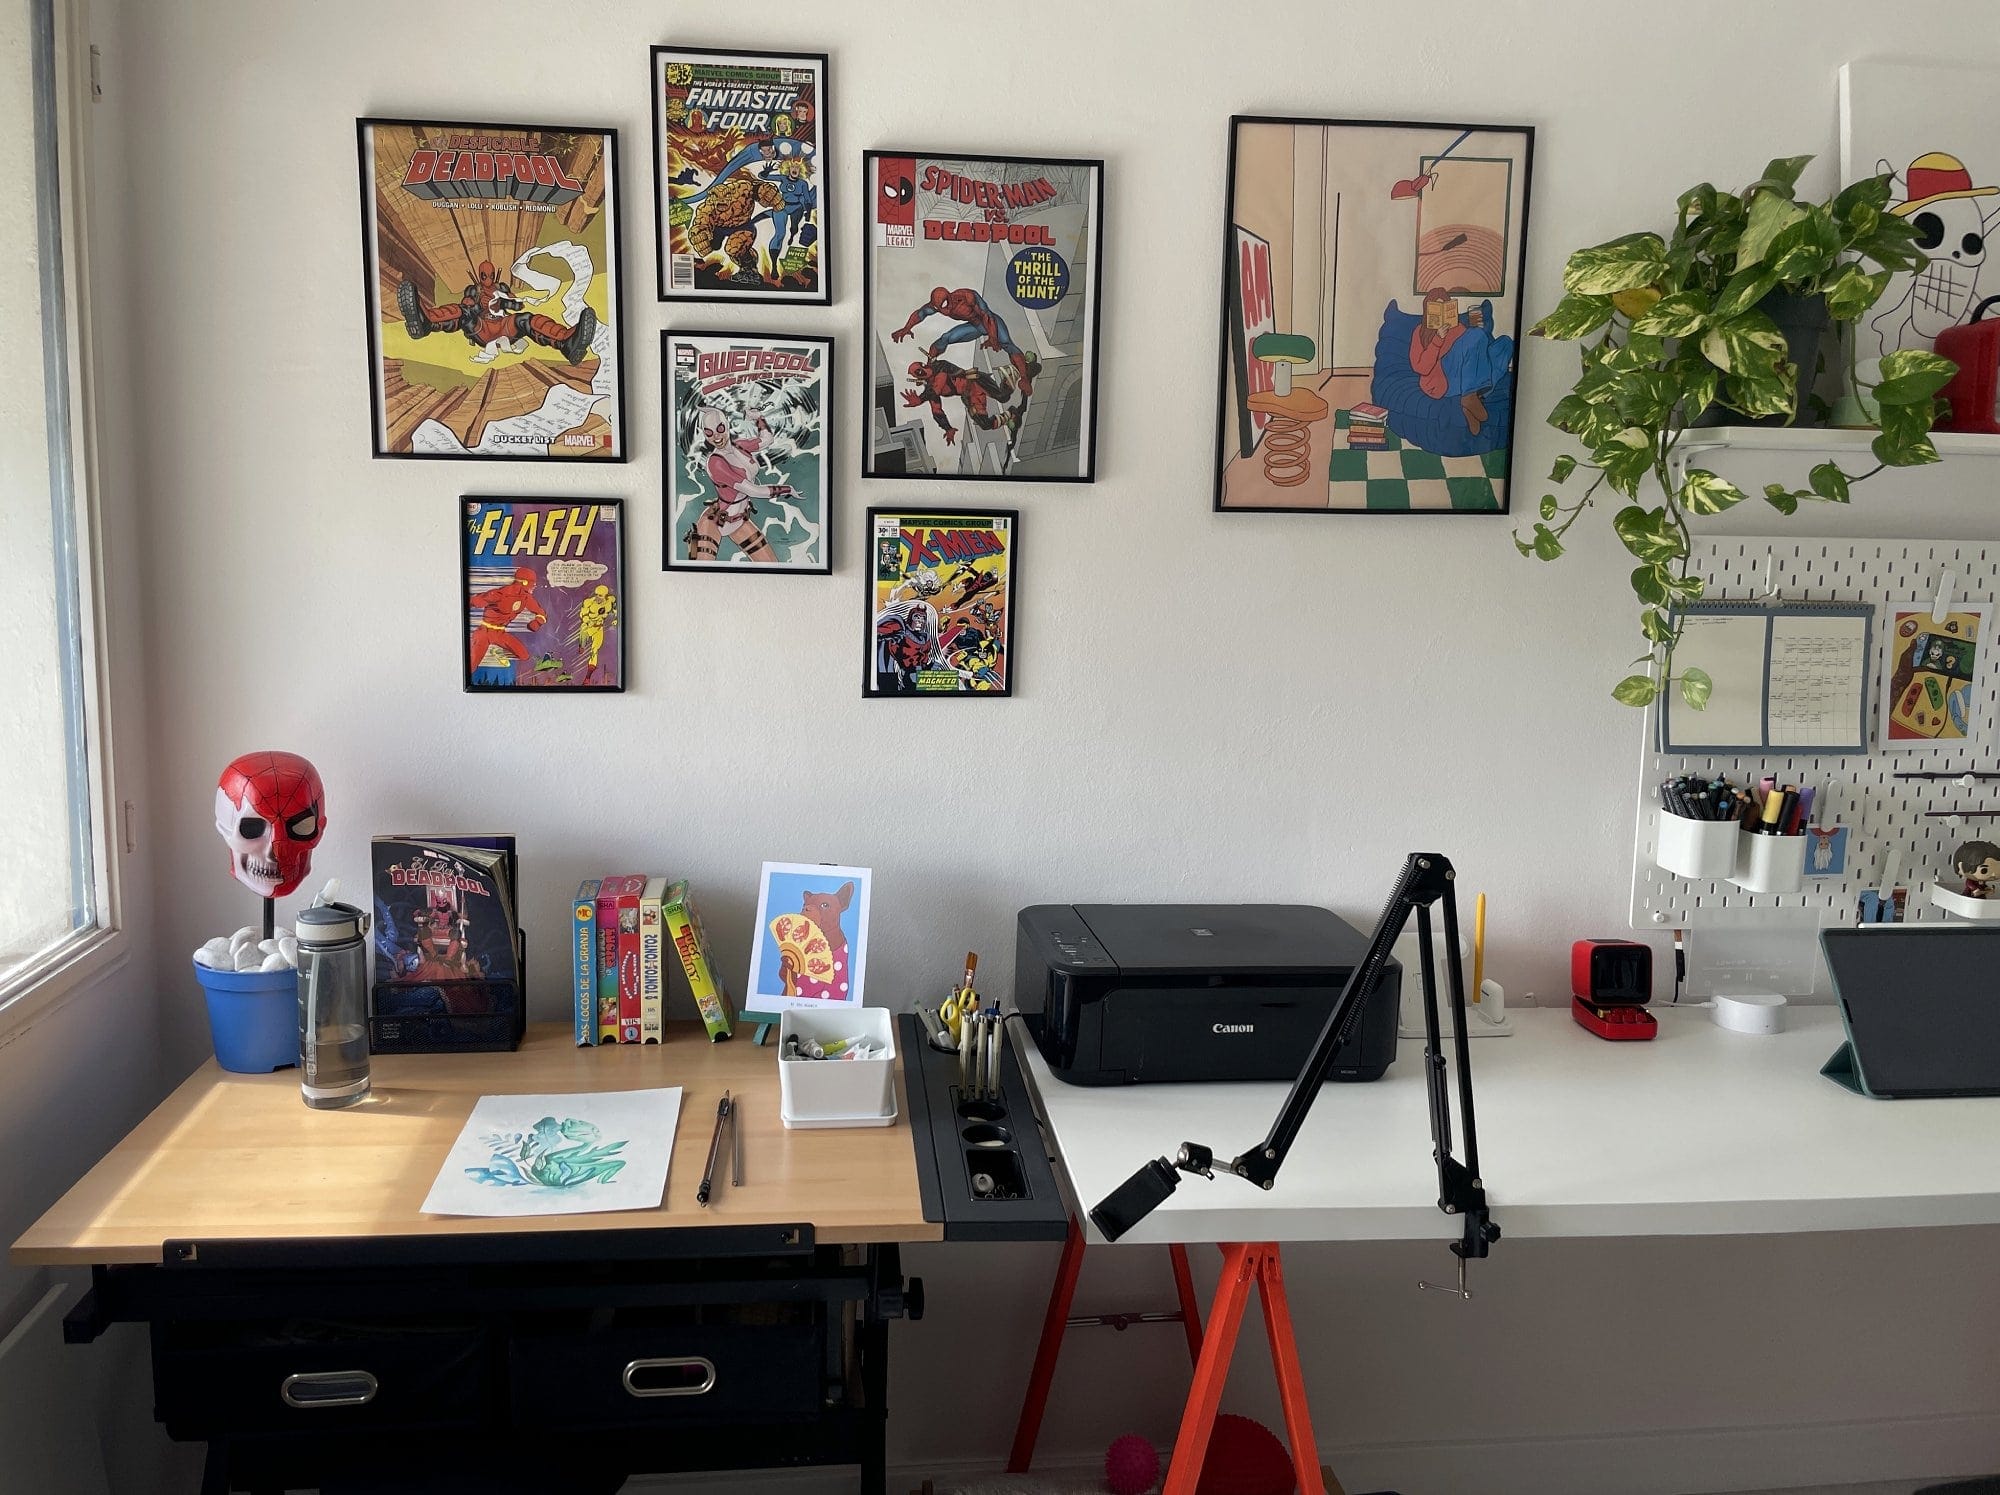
1079	946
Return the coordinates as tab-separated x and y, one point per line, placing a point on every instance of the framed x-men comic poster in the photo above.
1371	315
740	171
980	307
748	485
941	602
493	290
542	593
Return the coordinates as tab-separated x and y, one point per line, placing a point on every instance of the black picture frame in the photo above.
370	285
1235	336
874	359
871	606
823	141
671	455
471	503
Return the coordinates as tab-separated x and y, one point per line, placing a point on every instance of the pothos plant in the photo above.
1671	325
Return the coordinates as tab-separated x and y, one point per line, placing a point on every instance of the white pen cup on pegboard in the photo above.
1771	864
1696	848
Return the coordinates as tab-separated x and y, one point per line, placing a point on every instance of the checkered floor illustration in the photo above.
1401	477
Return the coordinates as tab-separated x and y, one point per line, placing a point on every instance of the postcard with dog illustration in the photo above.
810	945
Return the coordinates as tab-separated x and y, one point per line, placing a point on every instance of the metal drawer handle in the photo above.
670	1375
329	1388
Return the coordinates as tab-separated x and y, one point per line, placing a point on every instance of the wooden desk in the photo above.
279	1254
232	1157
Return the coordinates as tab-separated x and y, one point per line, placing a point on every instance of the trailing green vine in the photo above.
1669	326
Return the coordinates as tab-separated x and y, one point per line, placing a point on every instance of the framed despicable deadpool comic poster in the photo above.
748	485
493	287
1371	316
941	602
542	593
980	306
740	165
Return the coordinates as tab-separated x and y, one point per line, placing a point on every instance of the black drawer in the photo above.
691	1373
229	1379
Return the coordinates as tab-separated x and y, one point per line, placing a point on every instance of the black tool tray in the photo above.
957	1138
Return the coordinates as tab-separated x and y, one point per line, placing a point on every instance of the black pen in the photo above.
714	1150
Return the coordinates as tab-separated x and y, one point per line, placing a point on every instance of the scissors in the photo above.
959	1006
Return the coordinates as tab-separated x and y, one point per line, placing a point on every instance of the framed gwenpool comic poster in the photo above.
542	585
941	602
492	280
980	293
740	165
748	485
1371	316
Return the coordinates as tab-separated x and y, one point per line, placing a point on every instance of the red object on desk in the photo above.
1974	391
1610	983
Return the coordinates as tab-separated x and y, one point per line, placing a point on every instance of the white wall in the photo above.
1237	707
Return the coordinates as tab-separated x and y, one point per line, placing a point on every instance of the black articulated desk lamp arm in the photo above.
1426	879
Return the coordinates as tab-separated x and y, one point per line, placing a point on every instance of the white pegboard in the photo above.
1856	790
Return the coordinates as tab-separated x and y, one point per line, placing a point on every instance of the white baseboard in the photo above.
1887	1456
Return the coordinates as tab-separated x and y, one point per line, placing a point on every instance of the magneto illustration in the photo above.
489	312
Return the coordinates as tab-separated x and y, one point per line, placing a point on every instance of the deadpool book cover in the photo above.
447	948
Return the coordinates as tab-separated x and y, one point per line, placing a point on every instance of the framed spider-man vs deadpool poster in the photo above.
980	306
494	290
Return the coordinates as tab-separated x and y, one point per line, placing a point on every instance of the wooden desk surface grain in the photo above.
241	1157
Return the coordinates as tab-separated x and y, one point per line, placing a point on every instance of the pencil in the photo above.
1478	944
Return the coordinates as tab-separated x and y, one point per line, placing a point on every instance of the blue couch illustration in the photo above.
1480	362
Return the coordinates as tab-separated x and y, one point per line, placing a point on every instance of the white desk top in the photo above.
1698	1132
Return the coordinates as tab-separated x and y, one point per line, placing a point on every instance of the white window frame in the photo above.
41	986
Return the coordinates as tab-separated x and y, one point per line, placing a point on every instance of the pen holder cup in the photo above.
1697	848
1771	864
822	1092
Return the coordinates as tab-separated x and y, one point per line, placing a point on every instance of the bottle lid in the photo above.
328	924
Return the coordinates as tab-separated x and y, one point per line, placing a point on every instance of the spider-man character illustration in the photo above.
271	811
500	606
936	382
976	323
488	312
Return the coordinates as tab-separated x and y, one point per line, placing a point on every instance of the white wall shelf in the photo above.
1823	439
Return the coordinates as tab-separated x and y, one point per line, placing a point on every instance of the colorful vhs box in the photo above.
583	961
623	895
652	973
711	997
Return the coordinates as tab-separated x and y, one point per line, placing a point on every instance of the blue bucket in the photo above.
253	1018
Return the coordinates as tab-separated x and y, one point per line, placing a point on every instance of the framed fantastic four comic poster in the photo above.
740	173
980	306
542	593
1371	316
941	602
748	486
493	290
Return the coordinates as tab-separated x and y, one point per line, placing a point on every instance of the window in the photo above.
51	900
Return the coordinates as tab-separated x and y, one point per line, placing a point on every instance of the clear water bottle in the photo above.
333	1004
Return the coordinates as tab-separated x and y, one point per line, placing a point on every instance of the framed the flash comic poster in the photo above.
741	171
941	602
492	281
542	593
980	306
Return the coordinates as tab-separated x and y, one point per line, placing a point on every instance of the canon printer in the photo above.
1119	993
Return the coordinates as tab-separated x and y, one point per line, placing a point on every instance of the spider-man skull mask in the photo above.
271	810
